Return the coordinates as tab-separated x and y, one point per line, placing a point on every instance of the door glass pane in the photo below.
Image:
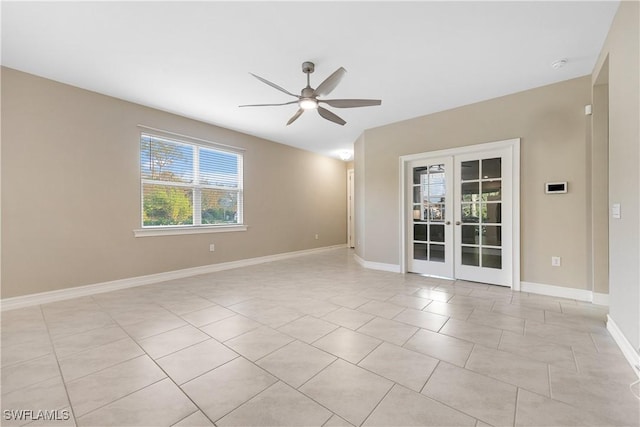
436	212
492	168
417	174
420	251
470	256
491	190
470	191
417	197
437	253
436	233
492	235
417	213
470	234
492	213
436	188
470	170
470	212
420	232
492	258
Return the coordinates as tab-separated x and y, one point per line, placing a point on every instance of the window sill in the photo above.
174	231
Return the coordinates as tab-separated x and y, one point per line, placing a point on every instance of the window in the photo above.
190	185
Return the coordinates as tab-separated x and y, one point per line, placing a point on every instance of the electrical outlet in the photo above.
316	237
555	261
212	247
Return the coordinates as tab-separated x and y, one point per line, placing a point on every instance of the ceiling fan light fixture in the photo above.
308	104
345	155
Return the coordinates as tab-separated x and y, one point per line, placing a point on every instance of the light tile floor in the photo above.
315	340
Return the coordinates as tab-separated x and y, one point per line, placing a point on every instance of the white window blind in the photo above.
186	184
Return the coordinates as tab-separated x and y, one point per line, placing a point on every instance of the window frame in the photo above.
197	227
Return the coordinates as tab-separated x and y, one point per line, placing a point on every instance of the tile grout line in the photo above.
312	377
429	377
378	404
182	419
121	397
154	335
210	370
104	369
459	410
266	354
318	373
245	401
412	335
20	362
549	378
515	407
466	361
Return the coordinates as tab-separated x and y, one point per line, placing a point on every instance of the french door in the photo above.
460	216
431	215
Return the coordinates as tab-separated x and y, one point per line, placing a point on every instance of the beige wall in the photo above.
622	53
551	122
71	192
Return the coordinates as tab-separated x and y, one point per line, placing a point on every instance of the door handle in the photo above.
448	223
457	222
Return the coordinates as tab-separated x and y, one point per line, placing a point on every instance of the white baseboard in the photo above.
556	291
393	268
98	288
600	299
629	352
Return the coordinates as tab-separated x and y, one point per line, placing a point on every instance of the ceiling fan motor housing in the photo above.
308	67
307	92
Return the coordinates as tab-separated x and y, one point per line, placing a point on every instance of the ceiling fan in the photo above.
308	98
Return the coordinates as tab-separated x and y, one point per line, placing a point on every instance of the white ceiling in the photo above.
194	58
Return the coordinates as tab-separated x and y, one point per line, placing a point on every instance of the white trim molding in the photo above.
98	288
600	299
556	291
392	268
632	356
193	229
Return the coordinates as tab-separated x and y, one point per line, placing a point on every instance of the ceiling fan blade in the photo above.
351	103
330	82
330	116
268	105
273	85
295	116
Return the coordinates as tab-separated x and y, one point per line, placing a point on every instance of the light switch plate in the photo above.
615	211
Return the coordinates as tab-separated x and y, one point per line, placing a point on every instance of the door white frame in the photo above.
514	146
351	242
